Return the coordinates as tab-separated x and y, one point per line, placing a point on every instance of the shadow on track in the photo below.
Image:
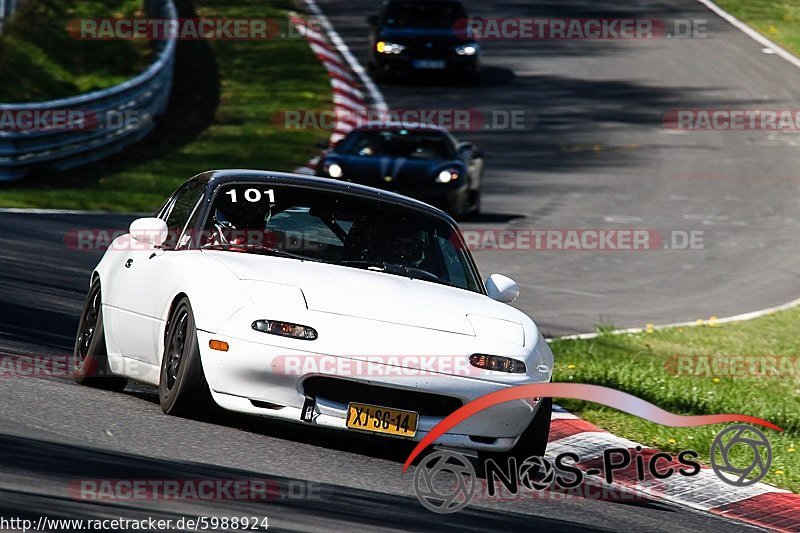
332	507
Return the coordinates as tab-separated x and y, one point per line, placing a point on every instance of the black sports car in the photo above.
423	162
419	36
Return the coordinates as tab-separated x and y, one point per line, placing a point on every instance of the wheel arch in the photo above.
178	297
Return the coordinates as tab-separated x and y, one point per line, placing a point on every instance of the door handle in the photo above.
128	263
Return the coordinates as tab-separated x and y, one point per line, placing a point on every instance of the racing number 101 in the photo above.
252	195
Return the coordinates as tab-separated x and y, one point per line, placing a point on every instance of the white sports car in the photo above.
316	301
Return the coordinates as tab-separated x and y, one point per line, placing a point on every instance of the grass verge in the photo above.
777	19
45	62
223	95
667	368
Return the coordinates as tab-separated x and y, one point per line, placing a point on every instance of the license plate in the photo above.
382	419
428	64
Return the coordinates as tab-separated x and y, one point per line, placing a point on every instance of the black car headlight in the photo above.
469	49
497	363
285	329
385	47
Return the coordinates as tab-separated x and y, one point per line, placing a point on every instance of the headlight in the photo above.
446	176
285	329
497	363
384	47
334	170
469	49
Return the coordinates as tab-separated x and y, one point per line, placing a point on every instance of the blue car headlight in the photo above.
447	175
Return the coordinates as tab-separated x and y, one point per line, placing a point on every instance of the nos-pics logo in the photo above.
446	481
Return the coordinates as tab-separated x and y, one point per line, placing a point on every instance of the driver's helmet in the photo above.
242	216
241	222
406	248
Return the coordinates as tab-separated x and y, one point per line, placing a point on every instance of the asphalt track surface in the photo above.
55	431
596	154
740	186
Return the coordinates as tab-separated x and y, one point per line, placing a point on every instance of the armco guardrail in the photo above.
7	8
111	118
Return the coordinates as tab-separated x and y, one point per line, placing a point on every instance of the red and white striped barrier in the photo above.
759	504
347	96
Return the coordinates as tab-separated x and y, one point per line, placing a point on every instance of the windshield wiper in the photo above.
359	263
394	268
261	249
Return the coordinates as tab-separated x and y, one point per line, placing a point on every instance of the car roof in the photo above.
394	126
215	178
424	2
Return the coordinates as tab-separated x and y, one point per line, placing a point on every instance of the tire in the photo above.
182	386
461	207
532	442
473	77
90	362
475	206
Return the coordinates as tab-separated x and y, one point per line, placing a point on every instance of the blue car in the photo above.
423	162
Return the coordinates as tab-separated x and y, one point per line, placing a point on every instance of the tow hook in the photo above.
309	406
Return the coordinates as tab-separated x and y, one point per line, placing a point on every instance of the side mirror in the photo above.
502	288
152	231
470	149
372	20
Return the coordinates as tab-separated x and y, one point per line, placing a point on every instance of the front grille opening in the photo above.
344	391
482	440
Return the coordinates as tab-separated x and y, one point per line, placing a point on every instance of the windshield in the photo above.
398	143
435	15
342	229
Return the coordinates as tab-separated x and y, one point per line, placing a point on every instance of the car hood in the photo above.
374	295
400	170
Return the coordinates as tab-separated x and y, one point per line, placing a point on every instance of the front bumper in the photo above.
254	378
451	198
453	64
